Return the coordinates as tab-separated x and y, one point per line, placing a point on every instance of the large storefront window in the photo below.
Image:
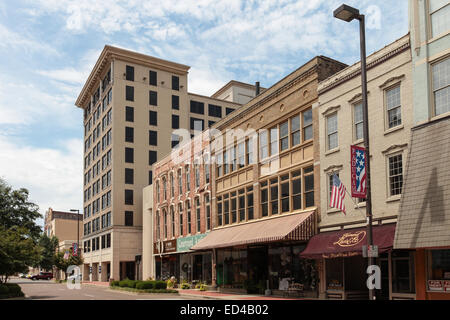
346	273
403	279
231	268
439	270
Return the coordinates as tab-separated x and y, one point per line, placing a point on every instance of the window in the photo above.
172	185
284	136
158	225
226	157
129	134
129	73
441	86
128	196
172	221
153	118
393	106
249	151
308	174
175	140
188	179
188	213
165	223
332	132
439	264
175	83
153	138
250	204
214	111
206	167
129	93
228	111
197	107
158	194
152	157
241	155
263	148
226	209
197	124
129	218
330	185
233	207
233	155
307	125
153	98
150	177
274	209
180	182
295	130
180	212
197	175
208	212
175	102
219	211
129	155
264	199
152	78
164	188
211	123
395	175
241	204
284	184
219	159
197	210
440	17
296	183
175	121
129	176
358	121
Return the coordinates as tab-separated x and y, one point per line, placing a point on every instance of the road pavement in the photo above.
49	290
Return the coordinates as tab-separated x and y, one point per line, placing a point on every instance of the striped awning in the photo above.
298	227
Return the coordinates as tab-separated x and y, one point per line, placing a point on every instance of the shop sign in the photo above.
185	244
446	285
169	246
350	239
435	285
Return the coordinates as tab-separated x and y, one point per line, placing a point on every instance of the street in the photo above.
49	290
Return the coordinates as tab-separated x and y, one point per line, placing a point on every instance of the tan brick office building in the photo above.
132	104
63	225
342	268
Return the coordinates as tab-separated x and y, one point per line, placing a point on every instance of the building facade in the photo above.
265	186
63	225
424	214
133	106
338	247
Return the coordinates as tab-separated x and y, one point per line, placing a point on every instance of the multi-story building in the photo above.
63	225
264	187
424	214
133	105
338	247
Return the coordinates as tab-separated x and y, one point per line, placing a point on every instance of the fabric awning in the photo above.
349	242
290	227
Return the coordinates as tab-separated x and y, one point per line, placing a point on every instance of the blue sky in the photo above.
48	48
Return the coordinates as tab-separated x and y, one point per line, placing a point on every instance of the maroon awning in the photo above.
349	242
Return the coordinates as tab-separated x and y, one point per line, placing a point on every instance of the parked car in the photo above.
42	276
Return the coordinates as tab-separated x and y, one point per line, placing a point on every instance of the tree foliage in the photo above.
17	210
17	251
63	264
47	248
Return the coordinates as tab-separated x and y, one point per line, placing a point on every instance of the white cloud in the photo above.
53	176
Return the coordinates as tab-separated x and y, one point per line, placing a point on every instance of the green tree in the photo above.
63	264
17	252
17	210
48	248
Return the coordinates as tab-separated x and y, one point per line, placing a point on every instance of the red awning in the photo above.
289	227
349	242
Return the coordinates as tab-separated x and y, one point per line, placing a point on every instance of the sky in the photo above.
49	47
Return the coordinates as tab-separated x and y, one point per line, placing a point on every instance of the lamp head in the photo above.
346	13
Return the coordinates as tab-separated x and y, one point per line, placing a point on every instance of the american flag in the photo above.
337	194
360	172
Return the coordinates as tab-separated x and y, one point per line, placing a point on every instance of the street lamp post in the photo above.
78	228
347	13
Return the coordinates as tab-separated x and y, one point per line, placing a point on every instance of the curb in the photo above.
143	293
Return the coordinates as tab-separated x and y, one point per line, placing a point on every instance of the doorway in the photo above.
257	269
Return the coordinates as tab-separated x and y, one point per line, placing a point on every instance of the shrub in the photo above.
4	290
128	283
14	289
202	287
160	285
142	285
185	285
115	283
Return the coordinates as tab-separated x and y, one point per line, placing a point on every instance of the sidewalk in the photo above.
230	296
96	283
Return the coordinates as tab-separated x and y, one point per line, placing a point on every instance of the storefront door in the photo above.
198	268
257	266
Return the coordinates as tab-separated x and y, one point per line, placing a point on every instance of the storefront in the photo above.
194	266
166	260
263	255
343	268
